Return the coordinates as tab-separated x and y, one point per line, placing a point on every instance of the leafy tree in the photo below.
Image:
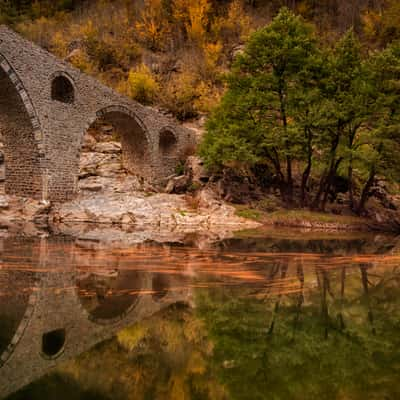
254	121
329	111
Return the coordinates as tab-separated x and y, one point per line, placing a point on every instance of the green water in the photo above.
277	315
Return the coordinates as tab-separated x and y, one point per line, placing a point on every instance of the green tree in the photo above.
379	139
255	121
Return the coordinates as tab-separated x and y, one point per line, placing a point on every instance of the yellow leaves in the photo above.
194	17
371	21
59	45
235	26
212	52
207	97
130	337
38	31
198	19
79	59
303	8
178	388
196	364
152	27
141	85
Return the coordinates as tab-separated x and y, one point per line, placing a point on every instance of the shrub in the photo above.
141	85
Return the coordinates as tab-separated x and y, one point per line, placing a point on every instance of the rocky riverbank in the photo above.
115	205
110	200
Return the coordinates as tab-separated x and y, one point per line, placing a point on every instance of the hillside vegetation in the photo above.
173	53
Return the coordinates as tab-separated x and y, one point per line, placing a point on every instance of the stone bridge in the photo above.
50	312
46	107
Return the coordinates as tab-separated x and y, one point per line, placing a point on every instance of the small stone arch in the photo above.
62	88
134	136
104	309
167	143
168	149
53	344
22	136
160	286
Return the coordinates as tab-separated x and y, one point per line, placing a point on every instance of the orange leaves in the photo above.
152	27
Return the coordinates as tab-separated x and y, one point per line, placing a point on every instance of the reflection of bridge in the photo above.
62	312
46	106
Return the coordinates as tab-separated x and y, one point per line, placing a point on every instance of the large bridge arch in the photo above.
22	137
15	312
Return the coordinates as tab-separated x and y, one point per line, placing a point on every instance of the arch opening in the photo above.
53	343
62	90
115	147
160	286
22	166
167	143
109	295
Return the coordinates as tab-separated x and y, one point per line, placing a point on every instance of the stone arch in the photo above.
160	286
134	136
168	149
22	137
53	344
108	299
62	88
5	353
167	143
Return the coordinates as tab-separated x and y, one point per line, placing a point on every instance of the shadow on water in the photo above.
301	317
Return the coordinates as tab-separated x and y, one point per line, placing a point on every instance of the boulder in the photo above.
110	169
91	187
178	184
207	199
194	168
90	163
89	142
108	148
107	129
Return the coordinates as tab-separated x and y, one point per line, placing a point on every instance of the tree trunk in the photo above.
326	177
352	135
328	185
307	171
289	176
365	192
350	179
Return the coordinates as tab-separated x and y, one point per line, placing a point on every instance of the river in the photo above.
264	315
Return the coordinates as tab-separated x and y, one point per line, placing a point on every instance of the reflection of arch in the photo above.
160	287
26	302
22	136
135	140
62	88
109	296
53	344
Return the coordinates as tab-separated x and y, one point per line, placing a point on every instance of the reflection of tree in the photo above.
162	358
349	362
300	296
365	284
283	268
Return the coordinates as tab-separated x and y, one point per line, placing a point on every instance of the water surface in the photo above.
277	315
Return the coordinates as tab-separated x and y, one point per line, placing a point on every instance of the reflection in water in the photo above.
15	290
250	318
108	294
